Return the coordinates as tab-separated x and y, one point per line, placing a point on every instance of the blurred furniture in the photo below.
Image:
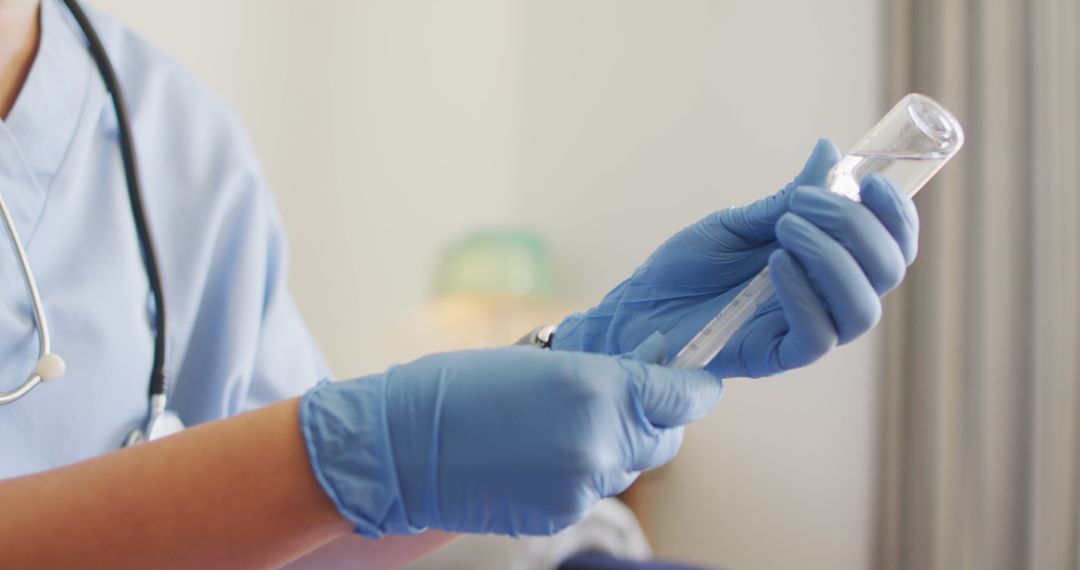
492	286
610	529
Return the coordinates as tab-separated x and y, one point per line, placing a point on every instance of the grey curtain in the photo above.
980	461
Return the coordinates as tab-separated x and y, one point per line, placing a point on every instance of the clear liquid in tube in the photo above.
909	171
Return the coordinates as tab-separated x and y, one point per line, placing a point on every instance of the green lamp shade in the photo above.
497	263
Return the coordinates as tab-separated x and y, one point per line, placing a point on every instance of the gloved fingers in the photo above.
752	352
670	396
850	298
811	332
755	224
824	156
661	447
858	229
896	211
673	397
652	350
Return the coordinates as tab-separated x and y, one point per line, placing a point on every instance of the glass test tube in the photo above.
908	145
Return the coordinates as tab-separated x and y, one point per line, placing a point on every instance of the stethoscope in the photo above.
160	421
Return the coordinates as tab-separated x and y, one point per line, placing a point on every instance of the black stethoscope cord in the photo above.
158	384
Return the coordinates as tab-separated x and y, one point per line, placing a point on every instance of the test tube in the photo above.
909	145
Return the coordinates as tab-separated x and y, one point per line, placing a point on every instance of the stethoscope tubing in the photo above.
35	300
49	365
158	385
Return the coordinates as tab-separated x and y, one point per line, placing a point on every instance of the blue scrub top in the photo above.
236	340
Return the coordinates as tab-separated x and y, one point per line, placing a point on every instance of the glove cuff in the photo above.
345	429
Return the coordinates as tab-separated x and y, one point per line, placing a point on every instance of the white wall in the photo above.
389	127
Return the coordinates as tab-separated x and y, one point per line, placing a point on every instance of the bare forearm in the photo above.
234	493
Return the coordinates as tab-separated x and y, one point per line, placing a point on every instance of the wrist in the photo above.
583	332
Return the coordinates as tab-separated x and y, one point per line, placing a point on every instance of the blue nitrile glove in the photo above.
830	260
511	441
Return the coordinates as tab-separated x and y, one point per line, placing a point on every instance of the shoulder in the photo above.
211	213
183	130
216	230
203	185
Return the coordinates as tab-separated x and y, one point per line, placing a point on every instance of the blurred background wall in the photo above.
391	128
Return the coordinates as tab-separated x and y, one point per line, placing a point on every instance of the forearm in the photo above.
234	493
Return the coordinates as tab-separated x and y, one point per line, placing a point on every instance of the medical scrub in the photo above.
236	340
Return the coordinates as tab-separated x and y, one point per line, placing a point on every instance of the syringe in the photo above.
908	145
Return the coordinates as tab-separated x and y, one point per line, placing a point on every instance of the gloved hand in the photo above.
830	260
511	441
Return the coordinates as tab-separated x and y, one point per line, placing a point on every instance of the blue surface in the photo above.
598	561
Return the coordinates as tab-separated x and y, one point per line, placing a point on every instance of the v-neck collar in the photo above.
49	109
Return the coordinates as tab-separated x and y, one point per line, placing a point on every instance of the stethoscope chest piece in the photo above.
160	423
